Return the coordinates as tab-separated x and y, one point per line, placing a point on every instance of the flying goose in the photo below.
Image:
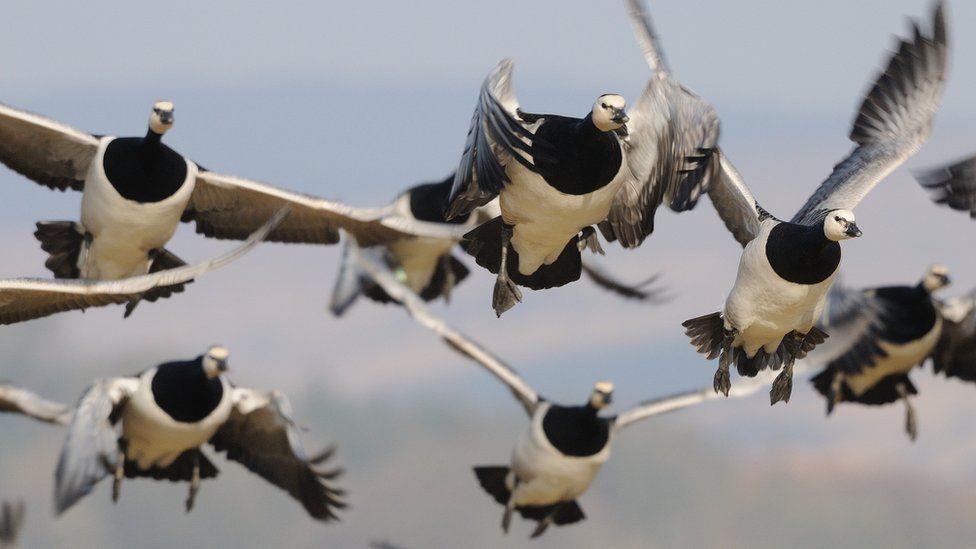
955	355
155	423
953	185
136	190
878	335
560	453
426	264
11	522
21	401
769	318
29	298
557	176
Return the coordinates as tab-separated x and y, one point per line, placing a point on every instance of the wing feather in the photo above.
48	152
894	120
953	185
22	401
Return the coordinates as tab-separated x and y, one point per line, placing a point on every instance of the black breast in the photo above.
429	201
909	313
184	392
574	156
802	254
576	431
144	169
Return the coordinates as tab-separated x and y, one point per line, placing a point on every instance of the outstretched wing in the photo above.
383	277
91	449
742	388
261	435
48	152
229	207
734	202
953	185
671	135
499	134
28	298
22	401
955	354
893	122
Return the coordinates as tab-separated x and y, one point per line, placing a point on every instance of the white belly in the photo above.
900	360
156	439
544	218
546	476
418	256
124	231
762	307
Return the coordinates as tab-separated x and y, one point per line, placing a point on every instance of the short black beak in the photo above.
222	366
945	279
607	399
853	231
620	117
166	117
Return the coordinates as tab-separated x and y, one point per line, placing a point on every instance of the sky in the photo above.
356	101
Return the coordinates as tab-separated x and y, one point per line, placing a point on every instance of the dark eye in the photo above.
837	218
156	111
604	105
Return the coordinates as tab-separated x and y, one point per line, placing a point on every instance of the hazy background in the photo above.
355	101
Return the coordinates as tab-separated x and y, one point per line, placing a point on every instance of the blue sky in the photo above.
355	101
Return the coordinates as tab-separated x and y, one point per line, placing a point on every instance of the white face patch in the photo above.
936	278
840	225
602	394
608	112
162	117
215	361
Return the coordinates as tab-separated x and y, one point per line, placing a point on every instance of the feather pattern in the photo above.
953	185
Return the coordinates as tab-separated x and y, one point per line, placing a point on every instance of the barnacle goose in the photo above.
878	335
557	176
153	425
426	264
136	190
29	298
786	268
953	185
559	454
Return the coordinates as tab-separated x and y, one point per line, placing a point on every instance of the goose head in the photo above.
601	396
214	361
608	112
840	225
161	119
936	278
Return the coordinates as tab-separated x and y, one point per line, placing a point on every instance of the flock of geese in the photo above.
532	193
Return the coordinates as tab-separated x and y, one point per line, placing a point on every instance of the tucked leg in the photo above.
544	523
450	279
119	475
509	507
194	483
833	397
589	240
911	426
722	382
506	293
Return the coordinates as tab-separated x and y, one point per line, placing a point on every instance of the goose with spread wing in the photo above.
154	424
135	191
557	176
953	185
29	298
560	453
878	335
426	263
786	268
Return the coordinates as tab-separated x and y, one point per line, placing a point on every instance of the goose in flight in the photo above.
426	264
21	401
563	448
29	298
154	424
558	176
135	191
878	335
769	319
953	185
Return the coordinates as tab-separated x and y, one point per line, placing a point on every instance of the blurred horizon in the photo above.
330	99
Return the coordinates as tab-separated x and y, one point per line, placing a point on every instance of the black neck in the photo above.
152	138
588	127
183	390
